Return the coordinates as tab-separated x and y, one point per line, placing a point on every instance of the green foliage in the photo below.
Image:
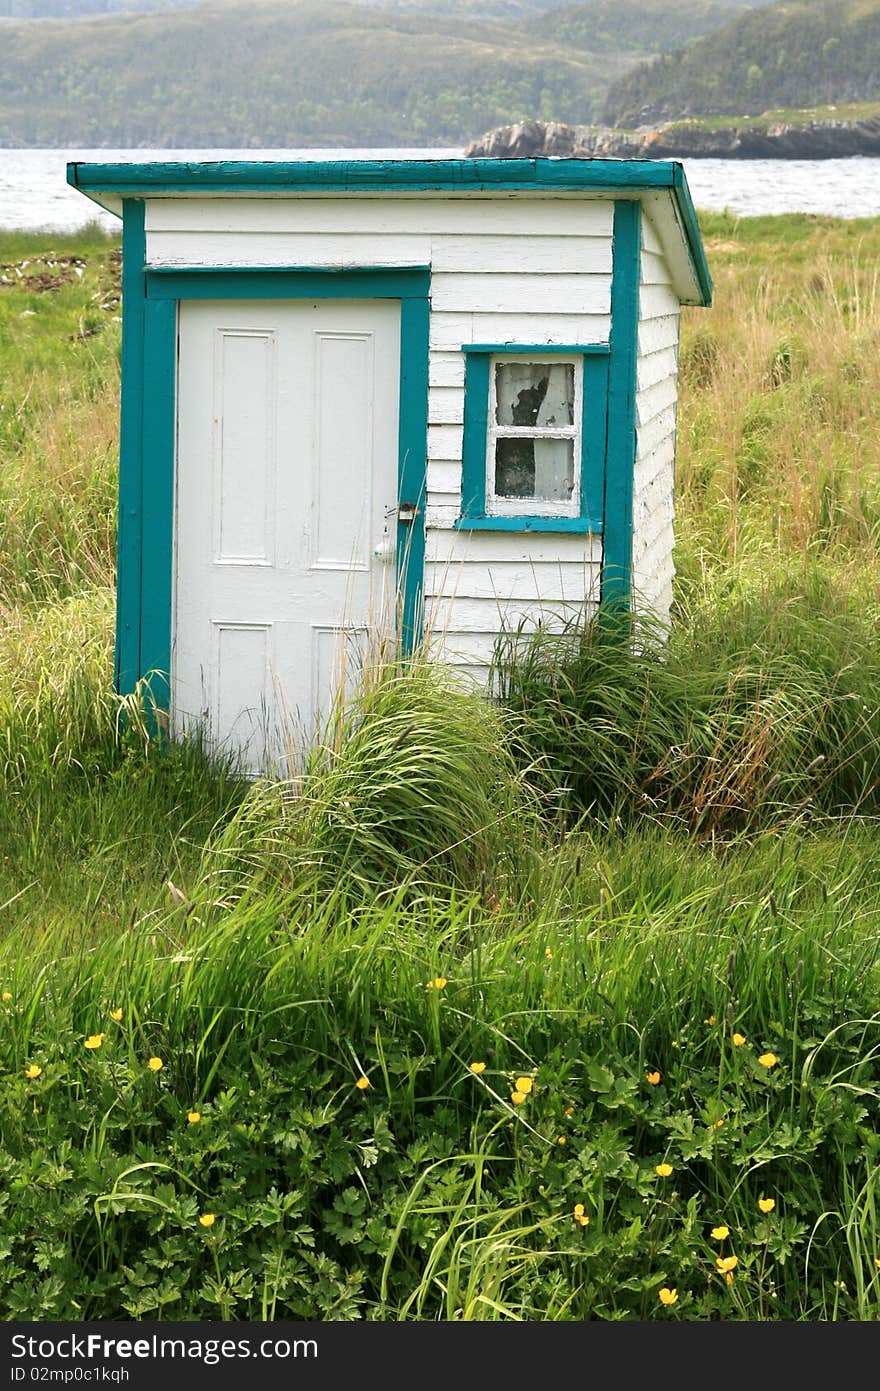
631	26
329	74
400	912
798	55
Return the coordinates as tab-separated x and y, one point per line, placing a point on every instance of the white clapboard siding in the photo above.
513	270
656	405
387	216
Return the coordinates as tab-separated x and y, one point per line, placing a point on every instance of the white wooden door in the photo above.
285	518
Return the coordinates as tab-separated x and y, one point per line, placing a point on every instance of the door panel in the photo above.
286	487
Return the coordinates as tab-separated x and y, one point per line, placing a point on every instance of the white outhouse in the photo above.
439	395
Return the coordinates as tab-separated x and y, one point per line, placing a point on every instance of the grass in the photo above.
510	1027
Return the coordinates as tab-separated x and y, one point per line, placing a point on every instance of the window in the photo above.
534	438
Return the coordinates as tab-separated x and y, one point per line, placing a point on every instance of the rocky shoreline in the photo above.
682	140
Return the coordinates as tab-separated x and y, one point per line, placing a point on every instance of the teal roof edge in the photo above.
401	175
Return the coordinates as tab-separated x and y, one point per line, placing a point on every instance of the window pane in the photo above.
534	393
539	469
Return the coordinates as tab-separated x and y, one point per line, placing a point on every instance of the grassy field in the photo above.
572	1015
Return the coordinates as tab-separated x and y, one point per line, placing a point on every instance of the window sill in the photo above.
581	525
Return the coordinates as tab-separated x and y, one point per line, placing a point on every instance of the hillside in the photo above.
276	74
634	26
798	54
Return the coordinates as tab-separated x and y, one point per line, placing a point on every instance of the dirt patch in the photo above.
41	274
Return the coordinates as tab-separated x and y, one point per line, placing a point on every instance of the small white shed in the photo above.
438	395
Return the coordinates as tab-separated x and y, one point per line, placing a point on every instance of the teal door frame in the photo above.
145	547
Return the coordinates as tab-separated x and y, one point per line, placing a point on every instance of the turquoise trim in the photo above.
288	282
688	214
594	438
575	524
476	426
157	525
366	175
474	460
621	450
599	349
415	324
100	181
127	667
149	432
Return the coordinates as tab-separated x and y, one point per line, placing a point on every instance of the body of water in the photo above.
34	192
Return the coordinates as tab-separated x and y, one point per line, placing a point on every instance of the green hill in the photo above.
633	26
264	73
798	54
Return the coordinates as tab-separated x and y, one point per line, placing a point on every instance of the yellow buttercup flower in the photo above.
477	1068
154	1064
569	1111
720	1233
725	1264
768	1060
33	1072
711	1020
668	1296
653	1078
207	1219
116	1015
877	1262
766	1204
664	1170
561	1140
716	1125
524	1084
517	1097
94	1041
7	996
194	1117
548	953
362	1083
729	1277
739	1040
580	1215
438	983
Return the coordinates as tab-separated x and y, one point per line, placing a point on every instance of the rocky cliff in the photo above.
683	140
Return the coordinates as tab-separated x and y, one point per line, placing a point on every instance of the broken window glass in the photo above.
538	394
542	469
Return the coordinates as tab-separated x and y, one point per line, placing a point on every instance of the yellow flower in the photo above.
580	1216
33	1072
524	1084
664	1170
653	1078
561	1140
716	1125
94	1041
729	1277
739	1040
194	1117
517	1098
438	983
548	953
478	1068
877	1262
668	1296
766	1204
674	1043
726	1264
7	996
362	1083
207	1219
154	1064
711	1020
720	1233
768	1060
116	1015
569	1111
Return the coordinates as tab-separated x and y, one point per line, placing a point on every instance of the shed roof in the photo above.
660	184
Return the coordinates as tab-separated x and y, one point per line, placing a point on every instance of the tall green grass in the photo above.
643	871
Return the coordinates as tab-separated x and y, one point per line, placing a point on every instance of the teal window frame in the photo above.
148	428
475	462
